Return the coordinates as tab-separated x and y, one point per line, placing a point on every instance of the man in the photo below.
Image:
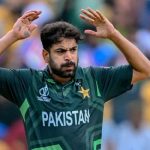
62	106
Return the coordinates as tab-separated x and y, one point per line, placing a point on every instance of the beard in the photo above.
62	71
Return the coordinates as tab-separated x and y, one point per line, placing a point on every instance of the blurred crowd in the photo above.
127	117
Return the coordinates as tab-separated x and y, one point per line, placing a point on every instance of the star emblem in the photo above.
84	92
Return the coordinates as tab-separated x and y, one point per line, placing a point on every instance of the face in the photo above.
63	58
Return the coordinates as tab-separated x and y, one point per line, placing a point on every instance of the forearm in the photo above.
7	40
133	55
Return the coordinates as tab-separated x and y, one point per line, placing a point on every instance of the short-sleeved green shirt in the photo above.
64	117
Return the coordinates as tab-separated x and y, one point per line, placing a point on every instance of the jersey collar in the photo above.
48	77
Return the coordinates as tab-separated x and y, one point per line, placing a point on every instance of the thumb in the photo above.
91	32
32	27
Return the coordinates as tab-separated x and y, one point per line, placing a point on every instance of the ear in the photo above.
45	54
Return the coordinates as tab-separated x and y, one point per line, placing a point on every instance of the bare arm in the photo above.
6	41
140	64
22	29
104	29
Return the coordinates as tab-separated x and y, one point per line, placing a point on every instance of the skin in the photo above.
24	27
104	29
62	59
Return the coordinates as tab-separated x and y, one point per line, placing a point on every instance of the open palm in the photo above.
23	27
104	28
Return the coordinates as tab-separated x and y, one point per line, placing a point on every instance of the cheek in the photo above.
58	60
55	61
75	58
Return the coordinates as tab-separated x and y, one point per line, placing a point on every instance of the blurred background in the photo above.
126	124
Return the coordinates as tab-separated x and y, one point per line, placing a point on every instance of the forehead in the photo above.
65	43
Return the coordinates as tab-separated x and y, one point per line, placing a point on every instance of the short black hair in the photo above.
53	32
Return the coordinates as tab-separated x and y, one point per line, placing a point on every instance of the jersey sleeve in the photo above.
14	84
113	81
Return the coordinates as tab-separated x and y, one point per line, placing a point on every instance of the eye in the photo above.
73	49
60	51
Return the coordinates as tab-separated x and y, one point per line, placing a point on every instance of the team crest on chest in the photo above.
84	92
44	94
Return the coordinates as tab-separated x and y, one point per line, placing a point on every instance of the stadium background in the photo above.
130	17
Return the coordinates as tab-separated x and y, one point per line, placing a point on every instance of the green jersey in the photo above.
64	116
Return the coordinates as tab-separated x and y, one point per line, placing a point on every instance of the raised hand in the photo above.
104	28
23	27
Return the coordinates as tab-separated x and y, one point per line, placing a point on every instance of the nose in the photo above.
68	55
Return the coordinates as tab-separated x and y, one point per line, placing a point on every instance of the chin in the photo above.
68	75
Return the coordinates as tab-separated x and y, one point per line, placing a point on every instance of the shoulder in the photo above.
27	74
90	69
93	70
104	72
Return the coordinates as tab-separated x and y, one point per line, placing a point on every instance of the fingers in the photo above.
91	15
93	12
101	15
31	15
87	19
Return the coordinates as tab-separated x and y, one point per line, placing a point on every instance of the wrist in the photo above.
114	35
12	36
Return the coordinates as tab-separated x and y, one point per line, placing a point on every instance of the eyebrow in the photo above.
63	48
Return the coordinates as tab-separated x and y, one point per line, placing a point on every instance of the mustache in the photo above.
67	64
